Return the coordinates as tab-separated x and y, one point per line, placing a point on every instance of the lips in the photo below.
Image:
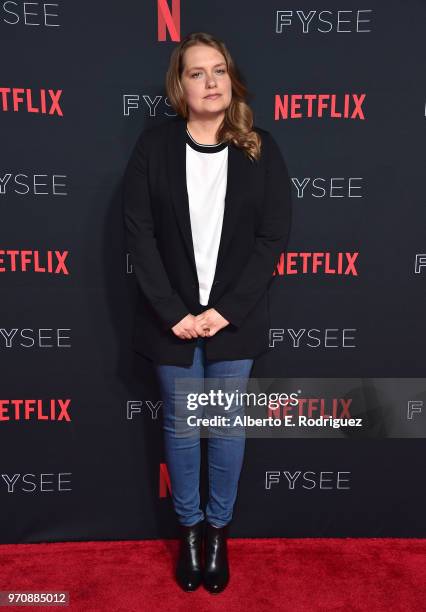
212	97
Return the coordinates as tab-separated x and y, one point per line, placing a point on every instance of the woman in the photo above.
207	211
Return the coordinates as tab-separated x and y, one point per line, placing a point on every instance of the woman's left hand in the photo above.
211	321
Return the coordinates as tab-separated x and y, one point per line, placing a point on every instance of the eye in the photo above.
221	70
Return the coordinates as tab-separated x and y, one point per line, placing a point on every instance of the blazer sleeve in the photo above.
141	241
271	238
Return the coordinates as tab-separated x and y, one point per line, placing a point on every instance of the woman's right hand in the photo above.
188	327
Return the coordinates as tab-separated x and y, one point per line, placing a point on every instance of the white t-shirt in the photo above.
206	177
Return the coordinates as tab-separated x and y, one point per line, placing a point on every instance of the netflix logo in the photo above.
319	106
317	263
34	410
52	262
42	101
164	482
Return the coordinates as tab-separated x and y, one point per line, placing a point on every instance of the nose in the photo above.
211	81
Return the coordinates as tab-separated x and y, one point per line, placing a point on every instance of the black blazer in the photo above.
255	231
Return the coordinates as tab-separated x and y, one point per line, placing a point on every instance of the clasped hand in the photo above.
208	323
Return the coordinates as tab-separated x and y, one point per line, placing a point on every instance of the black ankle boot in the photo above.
216	567
188	569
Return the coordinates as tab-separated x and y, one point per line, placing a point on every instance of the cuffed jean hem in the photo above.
186	523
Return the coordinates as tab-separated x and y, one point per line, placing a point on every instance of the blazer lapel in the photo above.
176	165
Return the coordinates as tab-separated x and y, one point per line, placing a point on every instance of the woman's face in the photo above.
205	73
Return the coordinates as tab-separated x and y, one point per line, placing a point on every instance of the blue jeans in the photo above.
183	453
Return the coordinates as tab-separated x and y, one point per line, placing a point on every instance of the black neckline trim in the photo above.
204	148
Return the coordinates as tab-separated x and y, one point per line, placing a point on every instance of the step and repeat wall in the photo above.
82	455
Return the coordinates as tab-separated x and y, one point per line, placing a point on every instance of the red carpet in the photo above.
307	574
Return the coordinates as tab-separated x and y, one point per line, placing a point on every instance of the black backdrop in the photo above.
357	188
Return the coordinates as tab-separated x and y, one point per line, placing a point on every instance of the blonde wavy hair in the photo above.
238	121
